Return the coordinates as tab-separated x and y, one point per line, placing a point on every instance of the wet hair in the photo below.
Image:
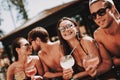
64	45
38	32
16	44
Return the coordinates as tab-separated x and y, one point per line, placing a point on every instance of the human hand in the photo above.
67	73
116	61
91	71
36	78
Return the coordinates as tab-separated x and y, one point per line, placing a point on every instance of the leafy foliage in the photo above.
21	8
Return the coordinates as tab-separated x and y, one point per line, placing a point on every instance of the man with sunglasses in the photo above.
106	16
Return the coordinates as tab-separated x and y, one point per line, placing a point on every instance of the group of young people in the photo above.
103	50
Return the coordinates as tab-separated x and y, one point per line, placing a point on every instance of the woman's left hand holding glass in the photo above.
90	64
92	71
67	73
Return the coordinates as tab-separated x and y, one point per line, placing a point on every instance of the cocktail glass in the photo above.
31	71
67	61
91	61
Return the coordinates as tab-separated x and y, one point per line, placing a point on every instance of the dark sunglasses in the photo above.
27	45
100	12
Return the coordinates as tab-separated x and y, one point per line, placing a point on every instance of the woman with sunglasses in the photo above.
18	70
107	18
85	48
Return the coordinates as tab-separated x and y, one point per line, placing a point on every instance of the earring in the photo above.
78	35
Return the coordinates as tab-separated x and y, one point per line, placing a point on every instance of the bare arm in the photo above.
106	61
89	48
10	73
116	61
93	59
104	66
39	67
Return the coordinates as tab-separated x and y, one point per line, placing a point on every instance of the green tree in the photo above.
18	4
1	33
21	8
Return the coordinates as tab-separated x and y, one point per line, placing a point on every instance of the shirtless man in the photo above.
107	18
49	52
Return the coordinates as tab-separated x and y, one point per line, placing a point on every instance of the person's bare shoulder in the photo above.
87	38
97	34
56	45
12	67
87	41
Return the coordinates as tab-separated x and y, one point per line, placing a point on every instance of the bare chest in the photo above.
53	61
112	44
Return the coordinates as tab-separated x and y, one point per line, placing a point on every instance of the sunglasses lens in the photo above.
93	16
101	12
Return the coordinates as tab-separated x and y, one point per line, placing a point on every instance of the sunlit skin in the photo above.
109	30
101	21
68	34
50	56
24	60
49	53
88	43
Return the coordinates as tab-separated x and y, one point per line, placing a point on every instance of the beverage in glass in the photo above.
30	71
67	61
91	61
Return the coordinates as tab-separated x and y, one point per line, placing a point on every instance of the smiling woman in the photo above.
86	54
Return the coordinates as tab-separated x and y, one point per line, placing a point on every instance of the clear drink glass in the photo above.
31	71
67	61
91	61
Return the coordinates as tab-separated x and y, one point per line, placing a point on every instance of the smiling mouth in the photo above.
101	22
69	33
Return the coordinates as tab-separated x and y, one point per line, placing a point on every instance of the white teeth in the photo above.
69	33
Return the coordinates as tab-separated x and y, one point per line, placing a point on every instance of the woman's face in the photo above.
25	47
67	30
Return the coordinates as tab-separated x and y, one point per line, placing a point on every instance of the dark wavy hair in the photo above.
64	45
16	44
38	32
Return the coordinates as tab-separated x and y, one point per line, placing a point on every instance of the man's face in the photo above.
35	45
101	14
